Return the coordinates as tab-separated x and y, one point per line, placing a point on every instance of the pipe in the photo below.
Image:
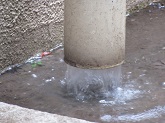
94	33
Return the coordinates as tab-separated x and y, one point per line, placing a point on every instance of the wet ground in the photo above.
140	98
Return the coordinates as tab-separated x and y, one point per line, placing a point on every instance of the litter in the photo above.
157	4
34	75
45	54
35	60
35	64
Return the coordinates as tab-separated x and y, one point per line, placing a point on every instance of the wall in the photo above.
30	26
27	27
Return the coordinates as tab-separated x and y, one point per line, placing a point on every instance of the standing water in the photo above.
139	98
88	83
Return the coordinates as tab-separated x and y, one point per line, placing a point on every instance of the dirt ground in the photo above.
145	50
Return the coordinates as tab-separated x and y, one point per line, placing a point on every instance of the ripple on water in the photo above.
121	96
156	112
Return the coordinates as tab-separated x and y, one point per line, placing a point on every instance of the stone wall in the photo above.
30	26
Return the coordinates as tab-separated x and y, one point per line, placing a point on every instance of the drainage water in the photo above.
101	96
92	84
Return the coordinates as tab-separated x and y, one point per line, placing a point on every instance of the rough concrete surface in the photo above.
30	26
15	114
27	27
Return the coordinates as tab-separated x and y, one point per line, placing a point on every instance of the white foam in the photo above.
150	114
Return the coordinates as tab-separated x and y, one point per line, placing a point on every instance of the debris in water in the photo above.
106	118
34	75
28	83
45	54
142	75
35	64
33	59
127	15
163	84
10	68
62	82
30	60
58	46
132	108
49	80
107	102
157	4
36	59
61	60
163	48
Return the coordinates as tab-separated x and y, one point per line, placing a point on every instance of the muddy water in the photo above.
138	99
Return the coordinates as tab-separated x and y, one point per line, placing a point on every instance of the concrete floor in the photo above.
15	114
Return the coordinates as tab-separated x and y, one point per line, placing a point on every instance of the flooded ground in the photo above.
140	98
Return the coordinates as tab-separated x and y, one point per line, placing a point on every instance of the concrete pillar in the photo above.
94	33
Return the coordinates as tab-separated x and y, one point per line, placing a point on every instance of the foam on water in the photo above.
88	84
121	96
152	113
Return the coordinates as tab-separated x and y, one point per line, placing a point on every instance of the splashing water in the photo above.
89	84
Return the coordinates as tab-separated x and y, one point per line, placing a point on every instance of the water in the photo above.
109	95
152	113
92	84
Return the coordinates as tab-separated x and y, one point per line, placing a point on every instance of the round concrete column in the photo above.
94	33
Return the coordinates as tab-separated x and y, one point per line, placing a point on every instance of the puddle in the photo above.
136	100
